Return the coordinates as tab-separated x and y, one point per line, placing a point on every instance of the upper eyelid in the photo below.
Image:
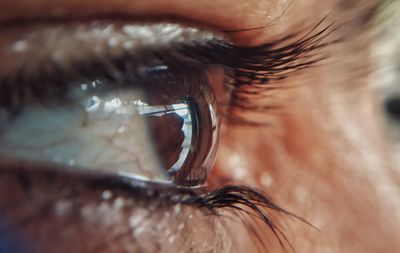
215	13
275	53
111	33
102	40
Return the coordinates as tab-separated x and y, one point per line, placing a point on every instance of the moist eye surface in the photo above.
141	116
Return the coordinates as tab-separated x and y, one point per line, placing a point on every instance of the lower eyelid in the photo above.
50	209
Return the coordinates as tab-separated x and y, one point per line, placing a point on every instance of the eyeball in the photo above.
157	123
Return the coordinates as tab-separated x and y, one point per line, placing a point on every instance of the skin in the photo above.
325	154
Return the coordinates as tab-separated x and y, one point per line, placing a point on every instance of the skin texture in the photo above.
324	153
247	13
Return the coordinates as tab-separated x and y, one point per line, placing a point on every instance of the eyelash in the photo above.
237	200
251	71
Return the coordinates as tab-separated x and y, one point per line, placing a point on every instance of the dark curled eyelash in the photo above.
255	206
254	209
269	62
251	71
255	70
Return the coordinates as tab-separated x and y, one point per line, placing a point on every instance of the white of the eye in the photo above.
108	135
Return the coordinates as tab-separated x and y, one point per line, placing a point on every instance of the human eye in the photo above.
116	107
121	105
113	112
112	118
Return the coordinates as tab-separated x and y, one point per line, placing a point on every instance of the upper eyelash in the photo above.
266	66
251	70
269	62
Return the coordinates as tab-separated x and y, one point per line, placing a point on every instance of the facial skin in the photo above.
324	154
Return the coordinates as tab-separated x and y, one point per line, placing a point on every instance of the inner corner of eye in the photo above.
157	123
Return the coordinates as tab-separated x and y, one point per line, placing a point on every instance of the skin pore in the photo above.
322	153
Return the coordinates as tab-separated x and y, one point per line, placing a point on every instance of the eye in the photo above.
132	106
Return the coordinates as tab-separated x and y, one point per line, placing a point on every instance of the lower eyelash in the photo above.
251	206
245	202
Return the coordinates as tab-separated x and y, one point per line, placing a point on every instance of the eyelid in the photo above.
76	43
246	67
255	210
248	14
